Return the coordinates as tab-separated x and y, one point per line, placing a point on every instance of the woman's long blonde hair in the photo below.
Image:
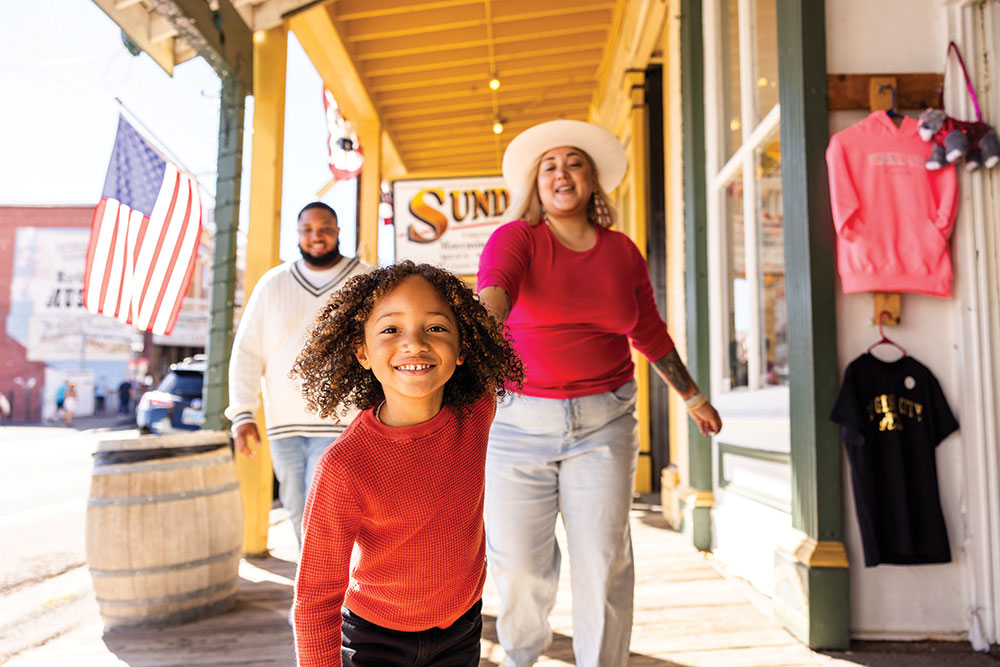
525	204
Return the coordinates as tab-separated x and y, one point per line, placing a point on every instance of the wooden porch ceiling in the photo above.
427	64
427	67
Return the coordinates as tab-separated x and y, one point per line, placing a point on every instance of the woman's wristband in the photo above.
695	401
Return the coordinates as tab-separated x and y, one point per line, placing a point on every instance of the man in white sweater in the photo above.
273	329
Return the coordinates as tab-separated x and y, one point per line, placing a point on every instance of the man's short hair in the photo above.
317	205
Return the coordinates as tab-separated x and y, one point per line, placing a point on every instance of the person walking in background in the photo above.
61	399
410	346
100	395
4	408
124	397
272	331
574	294
69	403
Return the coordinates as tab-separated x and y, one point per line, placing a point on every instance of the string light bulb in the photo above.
494	83
497	126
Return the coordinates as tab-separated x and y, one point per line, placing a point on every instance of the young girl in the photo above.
412	347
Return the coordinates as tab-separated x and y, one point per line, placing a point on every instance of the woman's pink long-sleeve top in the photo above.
574	313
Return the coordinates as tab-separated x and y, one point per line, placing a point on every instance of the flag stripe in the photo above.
160	228
105	234
168	241
153	233
184	266
121	259
117	273
95	225
169	261
135	222
108	284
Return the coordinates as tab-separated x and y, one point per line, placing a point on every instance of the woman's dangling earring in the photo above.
602	216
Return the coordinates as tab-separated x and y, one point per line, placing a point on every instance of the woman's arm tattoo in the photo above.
672	369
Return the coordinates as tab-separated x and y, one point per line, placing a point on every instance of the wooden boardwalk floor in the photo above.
686	615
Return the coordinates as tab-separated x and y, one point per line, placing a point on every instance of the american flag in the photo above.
144	237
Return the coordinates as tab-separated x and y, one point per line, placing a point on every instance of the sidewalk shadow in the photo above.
915	654
254	632
274	565
561	648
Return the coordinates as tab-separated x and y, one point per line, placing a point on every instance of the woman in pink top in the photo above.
574	293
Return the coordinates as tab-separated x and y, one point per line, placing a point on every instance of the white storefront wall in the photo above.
957	600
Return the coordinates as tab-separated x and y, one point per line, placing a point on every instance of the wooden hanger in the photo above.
885	340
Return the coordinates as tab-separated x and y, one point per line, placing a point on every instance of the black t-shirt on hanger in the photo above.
893	415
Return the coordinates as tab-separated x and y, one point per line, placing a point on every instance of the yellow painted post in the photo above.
638	156
676	282
270	48
370	134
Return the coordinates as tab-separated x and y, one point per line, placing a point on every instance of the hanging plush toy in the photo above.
956	139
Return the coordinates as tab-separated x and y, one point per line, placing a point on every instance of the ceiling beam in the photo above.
457	39
437	60
510	105
475	74
267	14
220	37
351	10
433	91
134	21
484	119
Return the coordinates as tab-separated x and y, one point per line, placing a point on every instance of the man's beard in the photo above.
323	261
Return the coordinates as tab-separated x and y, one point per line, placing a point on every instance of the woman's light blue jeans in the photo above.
294	459
575	457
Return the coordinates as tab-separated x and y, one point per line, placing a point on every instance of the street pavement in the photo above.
45	589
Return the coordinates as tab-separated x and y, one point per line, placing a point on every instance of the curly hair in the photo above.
332	378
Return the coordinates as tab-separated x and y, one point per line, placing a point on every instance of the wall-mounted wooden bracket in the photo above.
914	90
888	302
880	92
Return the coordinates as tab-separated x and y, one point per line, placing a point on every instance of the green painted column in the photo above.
227	211
698	504
811	577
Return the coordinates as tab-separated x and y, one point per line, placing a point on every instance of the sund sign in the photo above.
447	221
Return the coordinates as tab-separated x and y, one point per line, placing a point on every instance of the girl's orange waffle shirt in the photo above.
412	499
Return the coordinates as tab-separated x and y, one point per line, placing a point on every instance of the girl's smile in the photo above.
412	346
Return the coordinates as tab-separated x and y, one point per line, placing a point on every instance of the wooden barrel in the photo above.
164	528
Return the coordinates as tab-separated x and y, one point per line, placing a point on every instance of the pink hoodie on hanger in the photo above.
893	217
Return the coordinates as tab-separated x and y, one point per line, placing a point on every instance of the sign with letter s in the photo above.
447	221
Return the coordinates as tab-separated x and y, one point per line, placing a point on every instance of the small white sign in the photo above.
447	221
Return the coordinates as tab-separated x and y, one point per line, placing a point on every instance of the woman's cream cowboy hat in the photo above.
602	147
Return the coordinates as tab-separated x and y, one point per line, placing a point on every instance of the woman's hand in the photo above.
707	419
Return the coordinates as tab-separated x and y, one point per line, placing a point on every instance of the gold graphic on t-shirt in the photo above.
911	409
887	411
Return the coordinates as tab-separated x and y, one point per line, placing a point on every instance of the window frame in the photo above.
720	172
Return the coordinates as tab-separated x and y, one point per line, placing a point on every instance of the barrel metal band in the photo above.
143	466
163	497
166	599
102	458
167	568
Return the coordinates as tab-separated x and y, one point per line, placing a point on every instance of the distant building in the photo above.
47	336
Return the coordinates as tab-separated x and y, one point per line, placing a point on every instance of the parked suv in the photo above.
175	404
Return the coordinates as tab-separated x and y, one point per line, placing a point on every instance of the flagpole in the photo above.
160	146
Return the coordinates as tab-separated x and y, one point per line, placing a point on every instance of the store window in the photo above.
748	308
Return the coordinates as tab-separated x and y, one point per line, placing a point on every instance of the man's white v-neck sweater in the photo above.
272	332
